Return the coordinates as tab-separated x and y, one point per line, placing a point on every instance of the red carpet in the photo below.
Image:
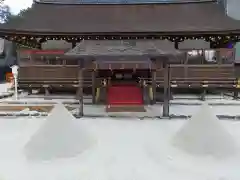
125	95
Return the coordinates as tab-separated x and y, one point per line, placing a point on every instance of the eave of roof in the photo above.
122	2
82	19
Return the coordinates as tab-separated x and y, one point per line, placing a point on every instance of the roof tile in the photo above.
117	18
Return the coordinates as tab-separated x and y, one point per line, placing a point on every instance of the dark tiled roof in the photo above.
119	18
123	48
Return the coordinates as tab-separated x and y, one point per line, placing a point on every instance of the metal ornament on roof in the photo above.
35	41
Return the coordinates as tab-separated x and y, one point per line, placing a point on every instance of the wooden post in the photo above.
218	57
166	89
154	86
104	90
80	88
94	87
203	95
145	90
235	94
74	44
176	45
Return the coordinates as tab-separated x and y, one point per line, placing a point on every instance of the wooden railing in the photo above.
181	75
52	75
198	76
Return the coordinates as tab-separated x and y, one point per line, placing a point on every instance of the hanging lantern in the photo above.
104	82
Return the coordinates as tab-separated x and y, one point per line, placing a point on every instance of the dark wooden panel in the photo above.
196	75
48	72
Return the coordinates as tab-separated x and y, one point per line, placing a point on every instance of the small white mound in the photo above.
59	137
203	134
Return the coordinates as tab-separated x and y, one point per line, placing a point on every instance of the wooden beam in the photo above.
166	89
80	88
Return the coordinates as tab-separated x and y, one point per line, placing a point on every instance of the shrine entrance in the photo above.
124	91
124	76
117	62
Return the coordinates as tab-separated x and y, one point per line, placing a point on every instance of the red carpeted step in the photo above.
125	95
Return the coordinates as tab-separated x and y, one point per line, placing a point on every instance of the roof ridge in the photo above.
121	2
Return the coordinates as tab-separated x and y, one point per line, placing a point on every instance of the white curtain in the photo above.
209	55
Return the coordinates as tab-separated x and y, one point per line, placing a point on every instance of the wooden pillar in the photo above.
94	87
235	94
104	90
145	88
218	57
74	44
203	95
80	88
154	86
176	45
166	89
40	46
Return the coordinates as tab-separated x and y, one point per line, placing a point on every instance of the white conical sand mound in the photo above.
59	137
203	134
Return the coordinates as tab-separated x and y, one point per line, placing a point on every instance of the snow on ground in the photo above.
231	107
204	134
126	150
57	137
4	88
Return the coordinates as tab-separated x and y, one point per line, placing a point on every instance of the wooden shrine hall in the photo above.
126	52
122	58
